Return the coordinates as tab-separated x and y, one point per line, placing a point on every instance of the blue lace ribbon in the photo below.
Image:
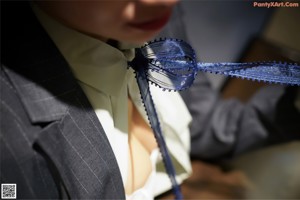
171	64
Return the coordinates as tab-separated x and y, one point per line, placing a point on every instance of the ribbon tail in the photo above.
272	72
143	84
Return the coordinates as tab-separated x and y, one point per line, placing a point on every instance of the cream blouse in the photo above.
101	71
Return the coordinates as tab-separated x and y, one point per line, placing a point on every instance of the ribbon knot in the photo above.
139	61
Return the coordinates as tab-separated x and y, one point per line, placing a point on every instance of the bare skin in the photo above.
117	19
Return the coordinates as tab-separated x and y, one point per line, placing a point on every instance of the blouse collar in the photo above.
93	62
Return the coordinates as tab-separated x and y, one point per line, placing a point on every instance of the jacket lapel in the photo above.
81	152
72	138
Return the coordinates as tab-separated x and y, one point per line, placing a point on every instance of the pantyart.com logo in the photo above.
275	4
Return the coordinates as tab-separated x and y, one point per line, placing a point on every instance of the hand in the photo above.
210	182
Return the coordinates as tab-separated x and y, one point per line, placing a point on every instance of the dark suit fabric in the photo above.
52	144
223	129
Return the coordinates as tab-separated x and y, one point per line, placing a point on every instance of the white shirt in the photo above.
102	72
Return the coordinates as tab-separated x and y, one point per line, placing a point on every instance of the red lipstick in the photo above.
154	24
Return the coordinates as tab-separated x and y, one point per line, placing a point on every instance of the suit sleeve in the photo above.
226	128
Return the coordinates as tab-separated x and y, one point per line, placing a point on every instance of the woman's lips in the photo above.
154	24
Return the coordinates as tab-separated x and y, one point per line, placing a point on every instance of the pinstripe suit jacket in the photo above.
52	144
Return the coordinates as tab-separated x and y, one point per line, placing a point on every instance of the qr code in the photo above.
8	191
